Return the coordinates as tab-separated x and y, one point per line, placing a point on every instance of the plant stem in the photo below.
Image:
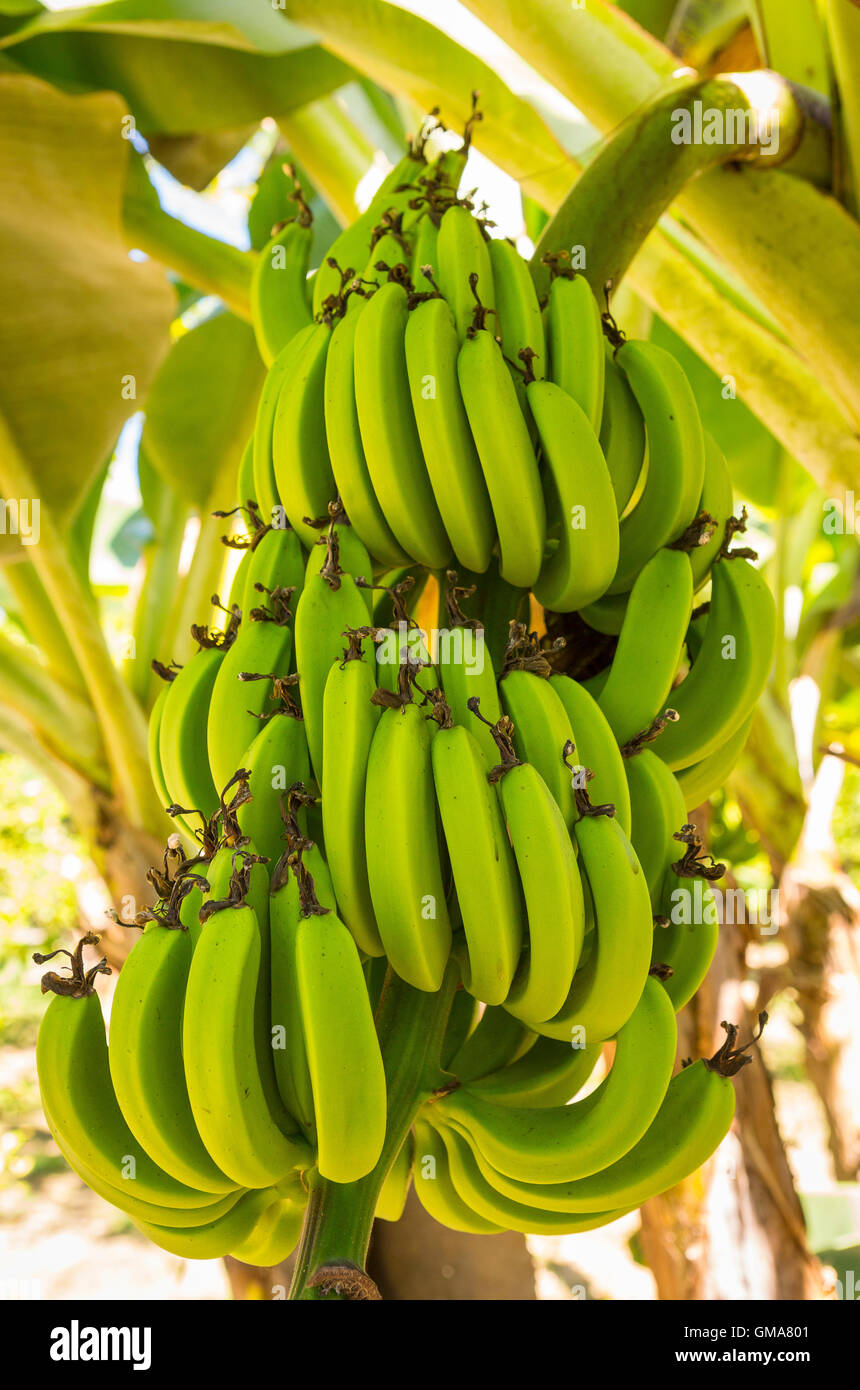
411	1026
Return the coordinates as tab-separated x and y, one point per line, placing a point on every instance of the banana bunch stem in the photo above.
411	1024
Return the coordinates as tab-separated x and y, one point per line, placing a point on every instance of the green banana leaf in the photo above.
182	65
201	410
84	328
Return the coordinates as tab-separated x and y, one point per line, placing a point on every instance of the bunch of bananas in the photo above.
495	817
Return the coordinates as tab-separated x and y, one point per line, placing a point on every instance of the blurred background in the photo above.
128	477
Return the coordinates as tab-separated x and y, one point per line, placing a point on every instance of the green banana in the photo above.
262	649
245	482
395	1190
650	644
657	811
562	1142
406	888
496	1040
477	1194
352	554
279	289
216	1239
75	1081
550	1073
435	1190
693	1119
344	1060
145	1045
507	458
717	502
463	1019
729	673
330	602
482	864
182	752
676	457
275	759
300	457
277	562
580	500
575	334
541	730
609	982
281	370
443	428
700	780
389	434
466	671
225	1088
349	723
348	461
462	255
622	434
275	1235
517	307
596	747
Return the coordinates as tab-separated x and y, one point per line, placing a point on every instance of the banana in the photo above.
225	1088
215	1239
550	882
279	288
576	353
182	751
154	738
541	730
517	307
580	499
275	759
426	252
330	602
729	673
717	502
692	1121
676	457
466	670
550	1073
502	604
75	1081
262	649
596	748
395	1190
461	254
145	1045
452	461
344	1059
275	1235
389	433
435	1190
132	1206
609	982
497	1040
507	458
349	723
650	644
482	864
300	457
348	461
352	554
406	882
245	481
288	1042
277	562
562	1142
478	1195
351	249
463	1019
686	936
622	434
700	780
281	370
657	811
